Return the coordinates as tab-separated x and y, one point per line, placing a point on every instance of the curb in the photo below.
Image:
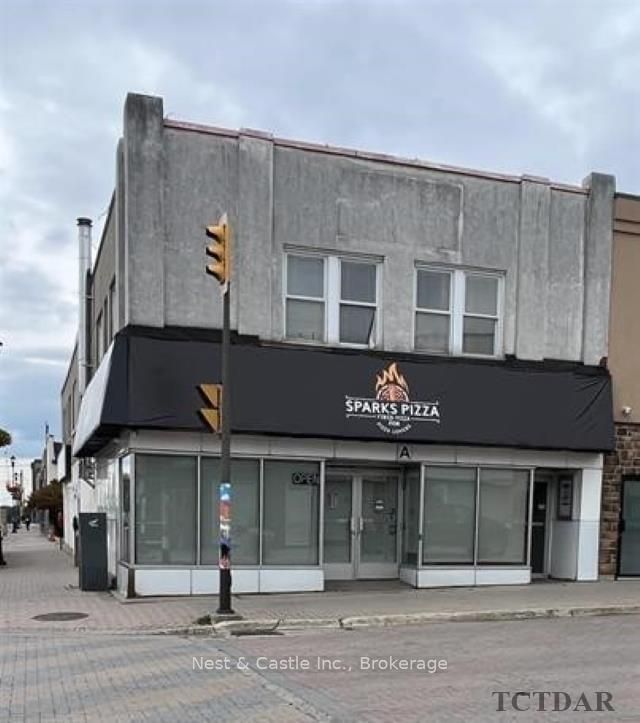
265	627
351	623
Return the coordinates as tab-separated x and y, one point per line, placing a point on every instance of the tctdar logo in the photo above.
392	409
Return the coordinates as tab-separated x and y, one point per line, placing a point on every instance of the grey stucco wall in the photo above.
143	169
104	272
552	244
201	183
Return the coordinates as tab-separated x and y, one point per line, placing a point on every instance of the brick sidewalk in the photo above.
39	578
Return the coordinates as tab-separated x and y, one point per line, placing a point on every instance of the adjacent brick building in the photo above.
620	542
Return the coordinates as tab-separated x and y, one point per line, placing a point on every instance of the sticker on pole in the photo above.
224	509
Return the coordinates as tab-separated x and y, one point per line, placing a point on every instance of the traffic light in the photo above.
212	414
220	234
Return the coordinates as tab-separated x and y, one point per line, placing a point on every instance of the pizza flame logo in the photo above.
391	385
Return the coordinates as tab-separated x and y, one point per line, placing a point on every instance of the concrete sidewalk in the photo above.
385	603
40	579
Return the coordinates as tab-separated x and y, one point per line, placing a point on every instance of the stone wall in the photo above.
625	460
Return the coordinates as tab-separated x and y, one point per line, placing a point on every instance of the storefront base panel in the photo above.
206	581
172	581
446	577
409	575
468	577
163	582
503	576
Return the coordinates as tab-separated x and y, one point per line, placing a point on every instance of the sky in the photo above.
546	88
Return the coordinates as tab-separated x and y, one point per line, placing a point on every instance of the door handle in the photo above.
360	524
352	525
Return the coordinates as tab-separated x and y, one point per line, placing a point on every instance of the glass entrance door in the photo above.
538	528
339	527
378	527
630	529
361	526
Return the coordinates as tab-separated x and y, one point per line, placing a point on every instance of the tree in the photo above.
48	497
5	438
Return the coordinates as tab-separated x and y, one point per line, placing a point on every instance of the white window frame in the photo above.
112	308
332	284
106	339
376	341
457	313
298	297
99	337
438	312
497	317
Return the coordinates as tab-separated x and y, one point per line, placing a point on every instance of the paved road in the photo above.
91	677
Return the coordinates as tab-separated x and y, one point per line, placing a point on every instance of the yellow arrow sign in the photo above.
212	415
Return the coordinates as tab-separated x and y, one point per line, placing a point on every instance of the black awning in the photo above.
346	394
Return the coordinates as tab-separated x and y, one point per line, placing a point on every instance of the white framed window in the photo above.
99	338
112	308
480	322
458	311
105	326
305	302
358	302
332	299
433	310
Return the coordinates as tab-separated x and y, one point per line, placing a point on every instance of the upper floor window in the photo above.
306	298
99	338
105	326
112	309
457	312
74	401
332	299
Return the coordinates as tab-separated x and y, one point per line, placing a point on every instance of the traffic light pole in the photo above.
224	560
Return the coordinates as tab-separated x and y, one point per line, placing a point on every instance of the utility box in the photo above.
94	573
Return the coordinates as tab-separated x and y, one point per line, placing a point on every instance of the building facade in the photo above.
620	533
418	355
46	469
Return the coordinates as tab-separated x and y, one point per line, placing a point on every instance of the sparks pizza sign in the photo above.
392	408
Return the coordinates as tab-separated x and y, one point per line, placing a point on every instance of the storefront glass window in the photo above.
125	508
411	517
502	527
165	512
449	515
291	495
245	511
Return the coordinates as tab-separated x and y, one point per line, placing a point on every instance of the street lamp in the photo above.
12	459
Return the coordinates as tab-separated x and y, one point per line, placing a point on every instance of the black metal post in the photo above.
224	562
